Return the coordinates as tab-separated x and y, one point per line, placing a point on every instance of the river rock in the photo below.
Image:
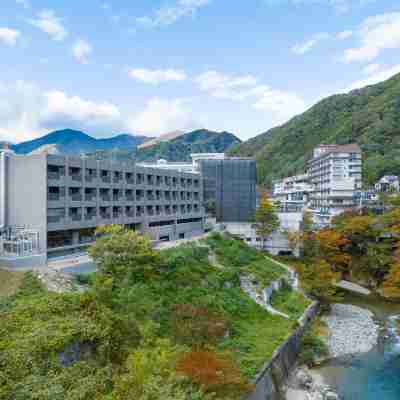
352	330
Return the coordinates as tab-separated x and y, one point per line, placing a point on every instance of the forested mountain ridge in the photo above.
180	148
368	116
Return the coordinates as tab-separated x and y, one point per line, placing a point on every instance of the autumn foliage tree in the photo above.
318	280
197	326
331	245
266	218
213	373
391	284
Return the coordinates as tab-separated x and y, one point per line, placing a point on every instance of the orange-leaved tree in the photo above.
197	326
214	372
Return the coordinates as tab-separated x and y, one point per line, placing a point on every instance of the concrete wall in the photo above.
27	194
277	243
271	377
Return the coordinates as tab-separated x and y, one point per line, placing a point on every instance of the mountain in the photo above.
163	138
180	148
368	116
73	142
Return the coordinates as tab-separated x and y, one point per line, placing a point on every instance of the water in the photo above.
374	375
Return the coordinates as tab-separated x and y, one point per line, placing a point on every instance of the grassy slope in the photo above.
40	324
9	282
370	116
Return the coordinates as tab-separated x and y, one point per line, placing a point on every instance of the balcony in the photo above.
90	197
54	197
54	175
55	219
105	197
76	217
75	197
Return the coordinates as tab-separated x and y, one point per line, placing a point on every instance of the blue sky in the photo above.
154	66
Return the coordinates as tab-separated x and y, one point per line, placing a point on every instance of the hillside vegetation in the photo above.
168	325
180	148
369	116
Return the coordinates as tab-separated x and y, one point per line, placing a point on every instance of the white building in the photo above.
388	183
292	193
335	173
278	243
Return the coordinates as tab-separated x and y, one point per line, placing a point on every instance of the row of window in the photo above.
57	193
75	214
55	172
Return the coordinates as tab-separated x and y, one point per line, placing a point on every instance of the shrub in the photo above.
196	326
213	373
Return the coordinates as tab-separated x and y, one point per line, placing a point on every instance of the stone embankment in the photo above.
352	330
56	281
306	385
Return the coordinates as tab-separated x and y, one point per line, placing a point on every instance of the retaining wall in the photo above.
277	370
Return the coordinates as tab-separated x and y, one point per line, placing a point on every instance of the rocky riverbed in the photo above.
352	330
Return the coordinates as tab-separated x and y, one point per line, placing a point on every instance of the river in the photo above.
376	374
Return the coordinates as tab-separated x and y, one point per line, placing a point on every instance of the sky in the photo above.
149	67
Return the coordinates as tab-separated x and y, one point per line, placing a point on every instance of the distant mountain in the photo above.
73	142
368	116
180	148
163	138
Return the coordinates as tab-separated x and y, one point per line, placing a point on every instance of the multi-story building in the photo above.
292	193
335	173
388	184
59	201
229	185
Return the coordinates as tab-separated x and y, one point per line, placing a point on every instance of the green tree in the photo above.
266	219
124	254
318	280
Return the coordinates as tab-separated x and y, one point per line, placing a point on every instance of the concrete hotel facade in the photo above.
335	172
64	199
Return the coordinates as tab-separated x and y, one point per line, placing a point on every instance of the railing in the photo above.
54	197
76	178
75	197
54	175
76	218
90	197
53	219
106	179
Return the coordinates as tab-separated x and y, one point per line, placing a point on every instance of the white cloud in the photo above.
377	77
26	111
163	115
81	51
169	14
155	77
224	86
63	110
344	35
375	34
280	104
305	47
9	36
49	23
371	68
